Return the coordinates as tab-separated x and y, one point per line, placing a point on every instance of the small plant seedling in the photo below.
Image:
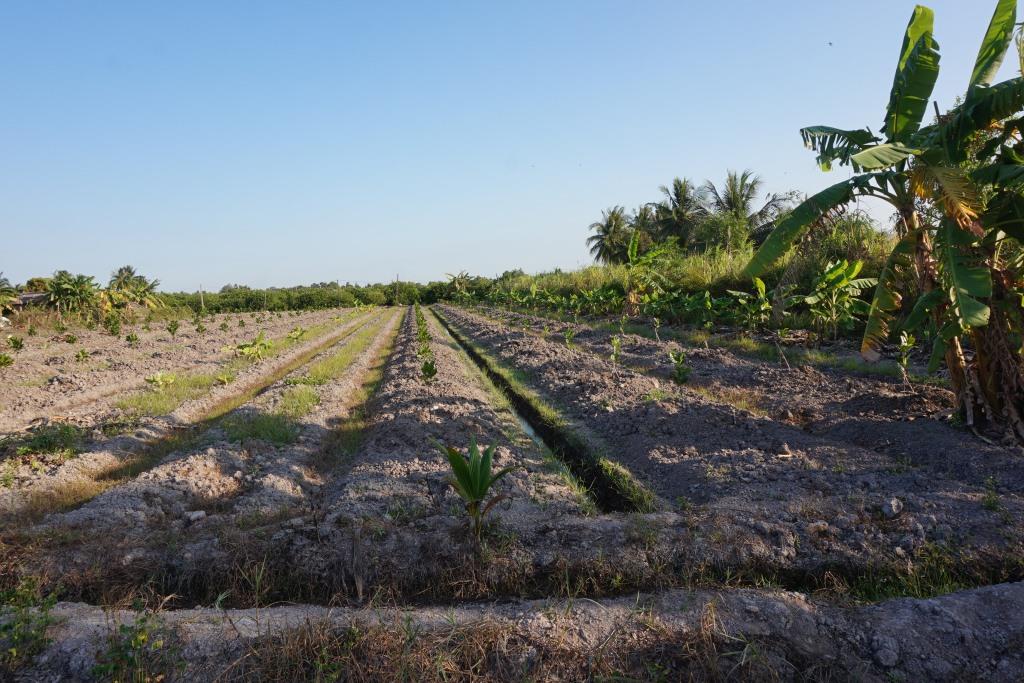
223	327
906	347
990	501
6	361
472	480
680	369
16	343
616	348
241	323
200	328
254	349
146	327
570	333
656	325
81	355
429	370
225	378
297	333
172	327
132	339
31	331
59	327
112	324
70	339
160	381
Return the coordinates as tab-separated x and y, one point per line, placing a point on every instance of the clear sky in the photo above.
279	143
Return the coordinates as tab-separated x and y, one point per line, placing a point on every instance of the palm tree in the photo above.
124	278
611	240
126	287
681	211
738	199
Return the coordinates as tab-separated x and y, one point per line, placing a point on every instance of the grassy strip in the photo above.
612	486
346	437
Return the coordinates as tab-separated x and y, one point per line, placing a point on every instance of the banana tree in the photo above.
8	294
947	253
642	276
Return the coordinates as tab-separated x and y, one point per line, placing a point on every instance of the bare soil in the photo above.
47	381
331	545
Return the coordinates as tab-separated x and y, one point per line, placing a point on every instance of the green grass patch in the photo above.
298	401
167	399
275	428
53	439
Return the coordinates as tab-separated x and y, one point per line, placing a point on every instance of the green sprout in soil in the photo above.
472	480
429	370
160	381
680	368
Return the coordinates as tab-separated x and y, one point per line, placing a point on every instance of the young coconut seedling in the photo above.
616	348
429	370
473	480
172	327
569	334
6	361
680	369
16	343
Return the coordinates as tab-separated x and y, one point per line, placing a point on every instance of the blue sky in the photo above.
293	142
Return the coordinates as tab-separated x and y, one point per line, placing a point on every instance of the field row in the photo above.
327	486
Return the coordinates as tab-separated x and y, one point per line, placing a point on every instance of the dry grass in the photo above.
637	647
738	397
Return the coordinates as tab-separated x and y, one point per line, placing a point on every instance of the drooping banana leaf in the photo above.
881	156
994	45
967	283
916	73
924	305
796	223
887	298
835	144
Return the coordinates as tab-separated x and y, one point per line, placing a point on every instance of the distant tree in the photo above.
680	212
72	293
610	242
738	198
8	294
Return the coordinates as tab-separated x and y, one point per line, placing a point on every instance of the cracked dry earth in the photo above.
342	553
